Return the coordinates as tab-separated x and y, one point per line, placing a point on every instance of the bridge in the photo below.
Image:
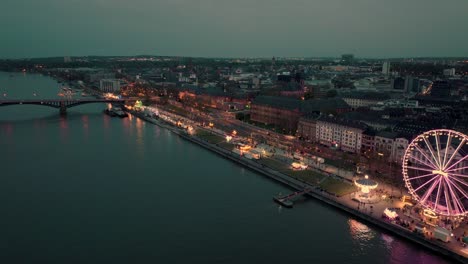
61	104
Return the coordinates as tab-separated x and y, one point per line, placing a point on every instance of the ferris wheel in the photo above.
435	171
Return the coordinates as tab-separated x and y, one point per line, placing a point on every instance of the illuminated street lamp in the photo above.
190	130
228	138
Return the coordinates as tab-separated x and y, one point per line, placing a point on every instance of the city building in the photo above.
363	99
398	84
386	68
399	147
367	141
412	85
440	88
449	72
383	144
109	85
340	133
278	111
307	128
391	146
96	76
285	112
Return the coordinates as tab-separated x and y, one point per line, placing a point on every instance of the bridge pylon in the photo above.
63	108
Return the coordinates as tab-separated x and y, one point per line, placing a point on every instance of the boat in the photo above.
115	111
120	113
110	112
283	201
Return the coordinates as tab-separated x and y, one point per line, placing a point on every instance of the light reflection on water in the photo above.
361	234
139	139
157	132
388	240
63	128
106	121
85	122
399	251
7	129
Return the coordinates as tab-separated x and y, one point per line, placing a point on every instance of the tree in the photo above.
240	116
331	93
308	95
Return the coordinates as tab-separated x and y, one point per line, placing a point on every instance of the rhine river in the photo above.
88	188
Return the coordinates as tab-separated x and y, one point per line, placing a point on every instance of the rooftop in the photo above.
343	122
366	95
387	134
307	106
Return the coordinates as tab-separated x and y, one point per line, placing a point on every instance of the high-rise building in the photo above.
67	59
440	88
449	72
386	68
412	85
109	85
398	83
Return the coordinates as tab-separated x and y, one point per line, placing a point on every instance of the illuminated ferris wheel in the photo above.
435	171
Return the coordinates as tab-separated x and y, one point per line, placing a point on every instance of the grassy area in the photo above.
207	136
339	164
226	145
270	127
177	110
337	187
309	176
274	164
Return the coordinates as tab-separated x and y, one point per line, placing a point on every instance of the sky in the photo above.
235	28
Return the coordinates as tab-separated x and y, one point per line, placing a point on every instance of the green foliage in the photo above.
240	116
308	95
337	186
331	93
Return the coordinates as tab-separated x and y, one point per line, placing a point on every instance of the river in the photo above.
88	188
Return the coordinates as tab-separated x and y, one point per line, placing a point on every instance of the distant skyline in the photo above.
241	28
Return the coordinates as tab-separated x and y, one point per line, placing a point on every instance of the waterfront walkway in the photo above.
370	213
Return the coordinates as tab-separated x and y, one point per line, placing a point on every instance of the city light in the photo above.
390	213
366	184
138	104
190	130
110	96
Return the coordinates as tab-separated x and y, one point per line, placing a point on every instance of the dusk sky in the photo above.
235	28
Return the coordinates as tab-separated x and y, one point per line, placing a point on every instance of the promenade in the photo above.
371	213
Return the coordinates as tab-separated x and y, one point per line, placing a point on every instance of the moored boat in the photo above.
283	202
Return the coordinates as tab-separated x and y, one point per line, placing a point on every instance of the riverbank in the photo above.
296	184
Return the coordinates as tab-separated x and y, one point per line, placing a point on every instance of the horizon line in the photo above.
243	57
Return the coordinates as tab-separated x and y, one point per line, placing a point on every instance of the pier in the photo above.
288	200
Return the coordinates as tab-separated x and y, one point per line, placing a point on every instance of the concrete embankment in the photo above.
315	193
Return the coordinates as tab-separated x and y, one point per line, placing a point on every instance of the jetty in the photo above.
288	200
